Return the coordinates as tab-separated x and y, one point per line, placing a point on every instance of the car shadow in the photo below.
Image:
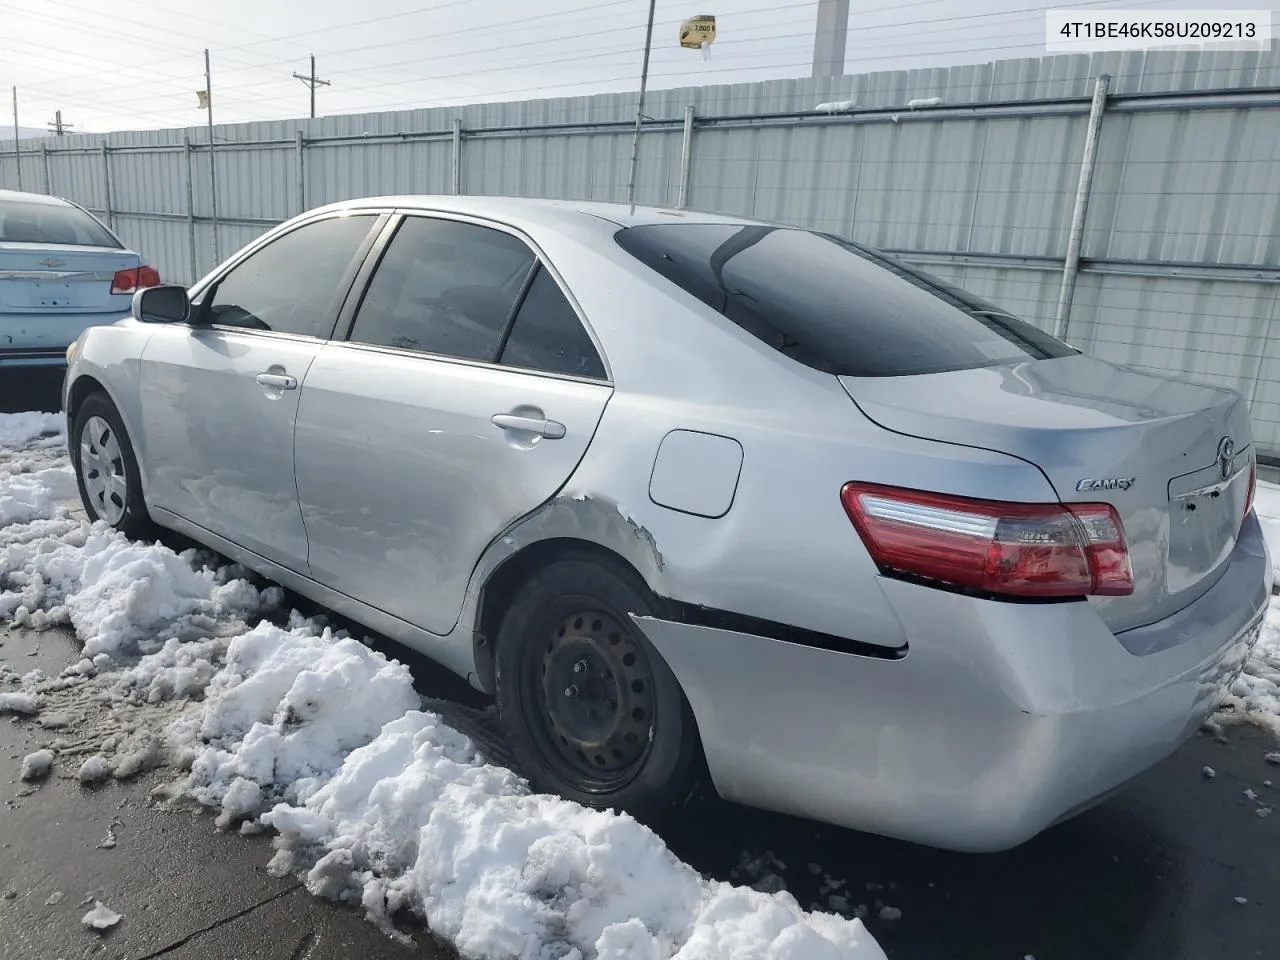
30	388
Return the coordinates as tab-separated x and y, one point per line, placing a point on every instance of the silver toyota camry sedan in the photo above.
699	499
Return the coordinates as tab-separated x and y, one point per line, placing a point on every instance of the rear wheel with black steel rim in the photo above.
594	713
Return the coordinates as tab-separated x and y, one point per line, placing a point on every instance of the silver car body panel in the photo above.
712	465
220	448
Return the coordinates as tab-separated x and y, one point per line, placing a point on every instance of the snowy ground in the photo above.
278	723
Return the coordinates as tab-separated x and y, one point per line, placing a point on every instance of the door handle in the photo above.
281	381
550	429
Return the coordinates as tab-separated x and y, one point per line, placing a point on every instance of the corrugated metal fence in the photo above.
1179	256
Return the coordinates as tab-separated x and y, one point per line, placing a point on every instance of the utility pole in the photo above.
17	155
829	38
644	82
213	176
312	81
57	127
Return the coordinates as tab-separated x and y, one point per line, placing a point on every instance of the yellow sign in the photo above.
697	32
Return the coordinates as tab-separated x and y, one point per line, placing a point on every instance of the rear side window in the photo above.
547	334
833	305
22	221
444	287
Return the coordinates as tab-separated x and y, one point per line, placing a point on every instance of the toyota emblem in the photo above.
1226	456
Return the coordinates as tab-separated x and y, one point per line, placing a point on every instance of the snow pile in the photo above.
101	917
31	430
1255	696
120	595
36	766
22	704
94	770
282	712
386	806
376	802
34	496
417	820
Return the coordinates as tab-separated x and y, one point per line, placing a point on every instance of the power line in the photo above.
913	43
541	18
258	101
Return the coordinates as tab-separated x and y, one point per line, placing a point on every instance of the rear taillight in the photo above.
136	278
1010	549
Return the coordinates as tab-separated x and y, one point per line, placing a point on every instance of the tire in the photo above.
100	448
567	649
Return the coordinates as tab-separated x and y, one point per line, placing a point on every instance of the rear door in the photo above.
219	401
466	395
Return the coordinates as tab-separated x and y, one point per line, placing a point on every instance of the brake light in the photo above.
1010	549
135	278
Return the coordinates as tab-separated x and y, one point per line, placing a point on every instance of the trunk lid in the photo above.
38	278
1151	446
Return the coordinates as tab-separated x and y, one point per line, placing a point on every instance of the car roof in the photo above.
532	210
33	198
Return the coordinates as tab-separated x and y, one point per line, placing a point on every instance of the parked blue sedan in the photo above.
61	271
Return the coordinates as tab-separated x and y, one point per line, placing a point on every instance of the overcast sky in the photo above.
133	64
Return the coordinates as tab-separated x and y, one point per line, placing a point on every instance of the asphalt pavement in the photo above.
1154	874
187	892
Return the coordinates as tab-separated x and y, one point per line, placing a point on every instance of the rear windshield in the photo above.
834	305
24	222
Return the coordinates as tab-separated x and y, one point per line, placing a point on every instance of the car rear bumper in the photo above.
42	339
47	357
1001	720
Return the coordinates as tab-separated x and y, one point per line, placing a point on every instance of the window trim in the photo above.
380	217
373	259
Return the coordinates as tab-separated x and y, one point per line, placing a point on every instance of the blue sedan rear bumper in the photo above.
33	357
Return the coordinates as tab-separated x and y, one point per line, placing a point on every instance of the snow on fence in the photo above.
973	172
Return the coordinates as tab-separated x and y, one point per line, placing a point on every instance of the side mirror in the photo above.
168	303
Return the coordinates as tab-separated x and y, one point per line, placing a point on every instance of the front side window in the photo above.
834	305
444	287
292	285
22	221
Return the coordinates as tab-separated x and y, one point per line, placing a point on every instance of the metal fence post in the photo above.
1075	239
191	208
686	155
457	156
299	147
44	163
106	186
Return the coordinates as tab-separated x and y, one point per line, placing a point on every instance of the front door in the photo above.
219	400
465	398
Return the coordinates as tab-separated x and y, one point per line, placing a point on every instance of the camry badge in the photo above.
1110	483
